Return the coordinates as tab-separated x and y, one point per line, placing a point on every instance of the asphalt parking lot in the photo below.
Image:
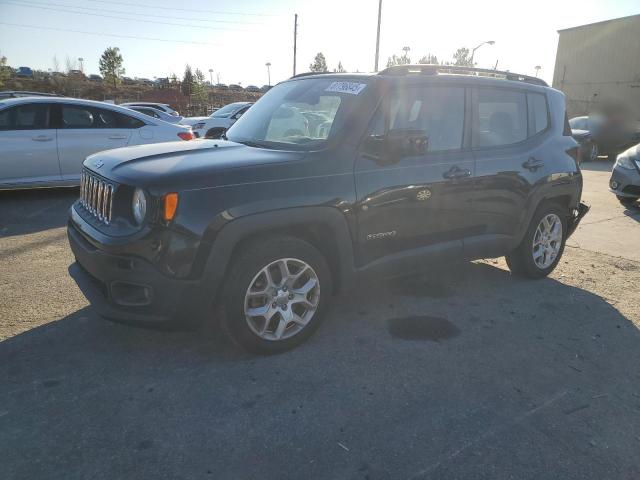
466	373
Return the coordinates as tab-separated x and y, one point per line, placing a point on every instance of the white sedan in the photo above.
219	121
44	140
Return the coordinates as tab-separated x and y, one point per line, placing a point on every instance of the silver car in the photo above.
44	140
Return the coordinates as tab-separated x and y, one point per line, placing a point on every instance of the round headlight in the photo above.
139	205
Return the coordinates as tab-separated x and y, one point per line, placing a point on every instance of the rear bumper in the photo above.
131	290
577	215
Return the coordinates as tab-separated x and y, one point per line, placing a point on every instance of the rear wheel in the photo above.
589	152
543	244
276	295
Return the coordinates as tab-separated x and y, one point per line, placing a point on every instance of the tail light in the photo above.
186	135
576	154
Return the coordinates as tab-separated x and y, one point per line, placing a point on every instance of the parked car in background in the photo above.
603	135
219	121
158	106
24	72
76	74
221	86
252	88
95	78
235	88
406	170
156	113
45	139
265	88
625	177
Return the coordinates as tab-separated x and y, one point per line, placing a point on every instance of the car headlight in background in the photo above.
139	205
625	162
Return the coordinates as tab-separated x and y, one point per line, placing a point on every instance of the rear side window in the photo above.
500	117
538	113
25	117
438	111
76	117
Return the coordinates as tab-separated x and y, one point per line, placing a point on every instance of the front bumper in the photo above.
130	289
625	182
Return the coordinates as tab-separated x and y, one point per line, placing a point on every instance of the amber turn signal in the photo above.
170	206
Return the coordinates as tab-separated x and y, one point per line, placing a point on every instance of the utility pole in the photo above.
375	67
295	41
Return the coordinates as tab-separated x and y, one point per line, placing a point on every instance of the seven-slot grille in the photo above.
96	195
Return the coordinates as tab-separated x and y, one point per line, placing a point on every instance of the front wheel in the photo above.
543	244
276	295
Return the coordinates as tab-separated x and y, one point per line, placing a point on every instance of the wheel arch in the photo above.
325	228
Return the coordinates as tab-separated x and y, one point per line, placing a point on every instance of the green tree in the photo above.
199	90
462	58
340	68
188	81
5	71
429	59
111	65
398	60
319	64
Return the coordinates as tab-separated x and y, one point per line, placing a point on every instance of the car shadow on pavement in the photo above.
29	211
602	164
532	374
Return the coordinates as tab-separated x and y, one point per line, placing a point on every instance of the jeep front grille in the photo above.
96	196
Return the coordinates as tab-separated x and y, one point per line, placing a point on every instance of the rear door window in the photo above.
78	116
499	117
25	117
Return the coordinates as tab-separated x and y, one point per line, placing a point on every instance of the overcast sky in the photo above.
236	39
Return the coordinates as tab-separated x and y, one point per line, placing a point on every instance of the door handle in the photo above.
456	172
117	137
42	138
532	164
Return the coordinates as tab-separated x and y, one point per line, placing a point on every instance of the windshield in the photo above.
301	114
227	110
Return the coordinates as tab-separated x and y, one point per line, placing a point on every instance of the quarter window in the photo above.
438	111
500	117
25	117
538	115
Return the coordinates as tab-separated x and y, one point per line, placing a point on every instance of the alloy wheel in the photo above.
547	241
282	299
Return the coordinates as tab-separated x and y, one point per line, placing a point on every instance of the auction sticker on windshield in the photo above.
352	88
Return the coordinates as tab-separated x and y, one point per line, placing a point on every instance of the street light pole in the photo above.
406	53
81	65
268	65
211	75
473	52
537	67
375	67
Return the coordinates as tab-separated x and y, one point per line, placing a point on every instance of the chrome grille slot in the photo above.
96	196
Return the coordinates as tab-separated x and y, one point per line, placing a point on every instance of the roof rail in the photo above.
306	74
431	69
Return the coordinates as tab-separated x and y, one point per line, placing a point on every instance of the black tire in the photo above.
626	201
521	261
254	257
215	133
589	152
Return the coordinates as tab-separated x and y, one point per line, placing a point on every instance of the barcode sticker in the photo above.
352	88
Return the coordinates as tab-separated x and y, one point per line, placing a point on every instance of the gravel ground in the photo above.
466	373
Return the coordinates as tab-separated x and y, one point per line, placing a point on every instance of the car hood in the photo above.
185	165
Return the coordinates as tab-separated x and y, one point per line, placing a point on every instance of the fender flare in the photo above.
237	230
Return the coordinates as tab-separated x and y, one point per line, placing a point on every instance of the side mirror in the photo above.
397	144
406	142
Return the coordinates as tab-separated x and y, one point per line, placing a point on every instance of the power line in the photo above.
124	18
128	4
171	17
40	27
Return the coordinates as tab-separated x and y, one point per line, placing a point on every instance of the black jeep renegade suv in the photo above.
326	178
